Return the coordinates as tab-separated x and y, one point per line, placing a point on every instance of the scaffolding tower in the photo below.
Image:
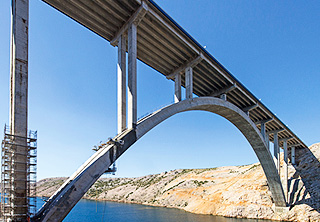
112	169
8	170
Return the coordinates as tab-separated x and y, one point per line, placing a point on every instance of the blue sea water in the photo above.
99	211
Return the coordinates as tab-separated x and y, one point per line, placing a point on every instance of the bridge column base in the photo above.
280	210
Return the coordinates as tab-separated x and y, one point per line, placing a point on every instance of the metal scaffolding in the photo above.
8	171
112	169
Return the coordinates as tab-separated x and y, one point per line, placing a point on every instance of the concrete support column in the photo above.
293	155
276	151
268	141
132	76
19	68
177	88
189	82
19	105
285	166
122	95
263	131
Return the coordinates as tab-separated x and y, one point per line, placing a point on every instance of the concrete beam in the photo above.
263	121
177	88
134	19
224	90
191	63
295	145
249	108
286	139
122	82
275	131
132	76
189	82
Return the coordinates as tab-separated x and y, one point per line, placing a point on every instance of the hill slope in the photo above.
234	191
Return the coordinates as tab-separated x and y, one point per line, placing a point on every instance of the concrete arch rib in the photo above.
238	118
61	203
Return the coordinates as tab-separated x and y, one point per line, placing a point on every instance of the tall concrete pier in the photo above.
19	111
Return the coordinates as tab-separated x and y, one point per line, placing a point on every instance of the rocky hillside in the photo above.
235	191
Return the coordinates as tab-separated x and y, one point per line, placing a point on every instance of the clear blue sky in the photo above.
272	47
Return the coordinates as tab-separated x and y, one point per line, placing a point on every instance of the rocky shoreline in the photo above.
233	191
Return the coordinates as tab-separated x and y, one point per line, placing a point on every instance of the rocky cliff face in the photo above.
235	191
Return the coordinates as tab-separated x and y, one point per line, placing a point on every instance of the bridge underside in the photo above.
165	46
60	204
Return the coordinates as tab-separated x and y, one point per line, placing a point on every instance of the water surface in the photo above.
88	210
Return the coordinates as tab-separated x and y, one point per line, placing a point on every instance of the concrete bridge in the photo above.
141	29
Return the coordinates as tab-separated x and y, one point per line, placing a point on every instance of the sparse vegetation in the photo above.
199	171
200	183
251	168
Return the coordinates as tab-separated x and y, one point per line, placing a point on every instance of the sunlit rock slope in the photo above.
233	191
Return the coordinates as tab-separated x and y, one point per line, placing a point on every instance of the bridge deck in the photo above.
166	47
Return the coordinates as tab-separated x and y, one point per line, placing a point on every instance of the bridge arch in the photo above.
60	204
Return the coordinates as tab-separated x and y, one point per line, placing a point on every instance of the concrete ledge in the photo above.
280	210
